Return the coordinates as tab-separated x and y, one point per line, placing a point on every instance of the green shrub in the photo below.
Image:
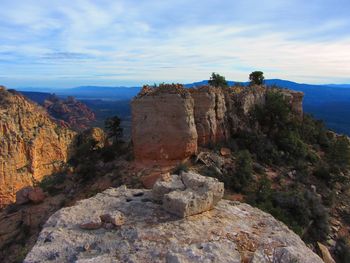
302	211
244	172
338	155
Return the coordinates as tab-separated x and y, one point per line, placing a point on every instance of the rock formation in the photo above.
188	193
73	112
169	122
163	124
31	144
144	232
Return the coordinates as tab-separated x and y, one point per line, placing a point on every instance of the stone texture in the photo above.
170	122
166	184
32	145
116	218
230	232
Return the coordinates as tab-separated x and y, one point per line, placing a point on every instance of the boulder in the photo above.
36	195
27	194
116	218
188	193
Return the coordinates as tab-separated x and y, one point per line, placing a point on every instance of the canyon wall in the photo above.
32	145
169	122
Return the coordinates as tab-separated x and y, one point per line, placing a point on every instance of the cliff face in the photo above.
170	122
31	144
230	232
210	115
164	126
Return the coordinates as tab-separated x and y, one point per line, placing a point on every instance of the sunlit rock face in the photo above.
32	145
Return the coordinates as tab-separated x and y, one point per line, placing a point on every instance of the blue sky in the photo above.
59	43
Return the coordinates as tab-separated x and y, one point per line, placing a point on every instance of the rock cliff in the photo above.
169	122
32	145
163	124
137	229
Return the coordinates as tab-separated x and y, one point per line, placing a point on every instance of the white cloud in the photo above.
142	41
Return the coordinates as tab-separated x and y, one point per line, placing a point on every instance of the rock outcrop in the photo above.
163	124
32	145
230	232
170	122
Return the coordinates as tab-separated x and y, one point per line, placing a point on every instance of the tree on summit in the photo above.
217	80
256	78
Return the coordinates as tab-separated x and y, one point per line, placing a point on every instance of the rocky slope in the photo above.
73	112
170	121
141	231
32	145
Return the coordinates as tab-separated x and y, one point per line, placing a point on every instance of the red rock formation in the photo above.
75	113
163	125
31	144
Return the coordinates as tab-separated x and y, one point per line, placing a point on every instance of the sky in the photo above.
59	43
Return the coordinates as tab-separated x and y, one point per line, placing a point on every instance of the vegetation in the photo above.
217	80
244	171
302	210
256	78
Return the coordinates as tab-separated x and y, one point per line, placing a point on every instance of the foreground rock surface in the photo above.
231	232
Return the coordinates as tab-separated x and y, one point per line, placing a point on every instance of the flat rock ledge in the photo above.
230	232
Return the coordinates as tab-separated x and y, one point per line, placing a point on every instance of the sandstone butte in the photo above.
32	145
170	122
195	226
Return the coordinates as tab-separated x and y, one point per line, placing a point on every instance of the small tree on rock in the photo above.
256	78
217	80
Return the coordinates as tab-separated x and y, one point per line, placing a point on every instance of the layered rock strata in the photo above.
32	145
230	232
170	122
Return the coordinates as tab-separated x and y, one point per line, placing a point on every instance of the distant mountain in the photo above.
38	97
100	92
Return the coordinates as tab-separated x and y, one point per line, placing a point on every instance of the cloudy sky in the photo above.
59	43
